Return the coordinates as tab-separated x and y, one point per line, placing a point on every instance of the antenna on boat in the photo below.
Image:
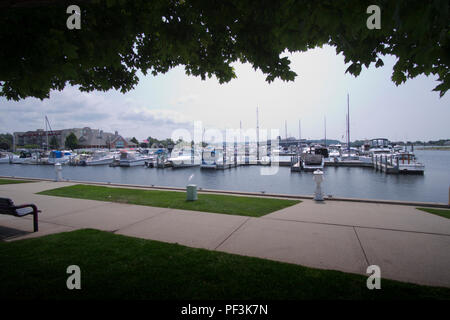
285	129
240	131
299	130
299	136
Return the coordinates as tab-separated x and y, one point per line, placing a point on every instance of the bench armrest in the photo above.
35	209
34	213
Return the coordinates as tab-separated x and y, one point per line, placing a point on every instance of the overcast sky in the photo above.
159	105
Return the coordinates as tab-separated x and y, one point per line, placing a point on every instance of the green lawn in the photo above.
11	181
119	267
440	212
244	206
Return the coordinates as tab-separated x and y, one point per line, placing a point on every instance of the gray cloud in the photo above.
72	108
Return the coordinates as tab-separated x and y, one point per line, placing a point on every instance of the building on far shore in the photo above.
87	138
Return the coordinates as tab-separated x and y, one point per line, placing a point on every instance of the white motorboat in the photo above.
379	147
349	155
184	158
312	162
25	157
4	158
133	159
56	156
100	158
407	163
334	151
212	157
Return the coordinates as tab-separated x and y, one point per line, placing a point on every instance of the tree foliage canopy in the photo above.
71	141
6	141
164	143
118	38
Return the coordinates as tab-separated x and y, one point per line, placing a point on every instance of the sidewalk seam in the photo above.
140	221
357	226
362	248
232	233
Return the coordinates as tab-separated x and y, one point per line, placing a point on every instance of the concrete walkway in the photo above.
408	244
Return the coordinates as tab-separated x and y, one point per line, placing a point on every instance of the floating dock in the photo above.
360	164
385	164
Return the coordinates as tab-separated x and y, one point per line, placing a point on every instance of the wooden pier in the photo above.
385	164
348	164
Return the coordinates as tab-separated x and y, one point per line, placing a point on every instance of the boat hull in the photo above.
411	169
132	163
99	162
184	165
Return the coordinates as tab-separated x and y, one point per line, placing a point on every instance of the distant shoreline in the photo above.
445	148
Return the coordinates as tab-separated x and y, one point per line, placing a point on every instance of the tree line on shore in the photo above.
71	142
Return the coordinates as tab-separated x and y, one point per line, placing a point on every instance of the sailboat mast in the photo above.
285	128
299	130
348	122
325	126
46	132
240	131
257	135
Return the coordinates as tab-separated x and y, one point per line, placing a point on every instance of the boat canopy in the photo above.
56	154
379	142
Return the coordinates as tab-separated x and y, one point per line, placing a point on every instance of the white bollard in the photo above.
58	171
318	178
191	192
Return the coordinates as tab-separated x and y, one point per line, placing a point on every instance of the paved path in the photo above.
407	244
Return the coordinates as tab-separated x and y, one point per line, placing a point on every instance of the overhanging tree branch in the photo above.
118	38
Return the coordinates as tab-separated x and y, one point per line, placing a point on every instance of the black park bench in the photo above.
7	207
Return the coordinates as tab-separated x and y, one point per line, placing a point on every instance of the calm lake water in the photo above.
433	186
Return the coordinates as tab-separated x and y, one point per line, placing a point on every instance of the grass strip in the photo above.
12	181
439	212
119	267
235	205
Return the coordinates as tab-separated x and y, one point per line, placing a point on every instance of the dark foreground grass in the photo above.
440	212
119	267
12	181
244	206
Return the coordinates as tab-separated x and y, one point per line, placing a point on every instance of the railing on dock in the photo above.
386	163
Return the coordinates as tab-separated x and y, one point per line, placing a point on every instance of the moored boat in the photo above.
184	158
100	158
312	162
4	157
407	163
24	157
133	158
56	156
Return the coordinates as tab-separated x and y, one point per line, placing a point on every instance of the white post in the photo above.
318	178
58	171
